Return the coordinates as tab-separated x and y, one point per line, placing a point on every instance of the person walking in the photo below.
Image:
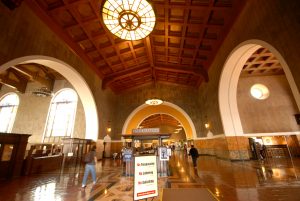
194	154
90	159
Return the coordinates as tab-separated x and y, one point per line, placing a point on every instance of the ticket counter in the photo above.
130	152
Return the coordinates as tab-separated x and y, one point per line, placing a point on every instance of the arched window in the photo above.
61	115
8	110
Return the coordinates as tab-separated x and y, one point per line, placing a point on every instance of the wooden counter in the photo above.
12	151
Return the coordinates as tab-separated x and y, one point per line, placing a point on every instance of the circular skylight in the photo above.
259	91
129	19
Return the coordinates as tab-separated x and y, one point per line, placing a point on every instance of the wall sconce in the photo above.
108	127
206	125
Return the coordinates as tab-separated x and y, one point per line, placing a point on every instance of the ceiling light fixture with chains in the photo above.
129	19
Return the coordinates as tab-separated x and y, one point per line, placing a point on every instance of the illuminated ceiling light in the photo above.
129	19
154	101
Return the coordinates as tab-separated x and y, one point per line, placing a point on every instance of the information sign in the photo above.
127	155
146	130
145	177
163	154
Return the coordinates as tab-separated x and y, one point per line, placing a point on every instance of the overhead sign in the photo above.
146	130
145	177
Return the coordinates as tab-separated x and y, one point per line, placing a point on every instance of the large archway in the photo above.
229	81
144	111
77	81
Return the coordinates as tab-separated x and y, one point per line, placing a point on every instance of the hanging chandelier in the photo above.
129	19
42	92
154	101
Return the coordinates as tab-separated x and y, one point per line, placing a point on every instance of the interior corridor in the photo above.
269	180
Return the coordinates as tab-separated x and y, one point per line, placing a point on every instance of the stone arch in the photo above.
143	111
77	81
229	80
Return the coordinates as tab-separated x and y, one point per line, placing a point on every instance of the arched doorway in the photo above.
77	81
144	111
229	80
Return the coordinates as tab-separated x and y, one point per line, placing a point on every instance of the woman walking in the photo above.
90	159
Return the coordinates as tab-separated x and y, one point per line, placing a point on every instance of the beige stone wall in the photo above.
274	114
32	112
215	147
230	148
183	97
273	21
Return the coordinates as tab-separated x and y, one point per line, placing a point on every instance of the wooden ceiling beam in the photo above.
150	57
62	33
184	29
20	86
197	71
176	84
262	68
199	24
166	33
122	74
182	37
69	6
192	6
95	8
198	44
34	76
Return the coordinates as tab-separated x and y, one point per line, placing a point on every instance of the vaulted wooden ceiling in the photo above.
158	120
179	51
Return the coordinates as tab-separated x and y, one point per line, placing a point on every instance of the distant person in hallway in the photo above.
90	159
194	154
262	151
185	150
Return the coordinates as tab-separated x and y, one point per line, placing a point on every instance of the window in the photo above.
259	91
8	110
61	115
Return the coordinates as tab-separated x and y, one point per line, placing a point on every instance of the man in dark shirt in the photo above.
194	154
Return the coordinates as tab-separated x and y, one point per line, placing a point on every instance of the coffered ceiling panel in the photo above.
262	63
185	40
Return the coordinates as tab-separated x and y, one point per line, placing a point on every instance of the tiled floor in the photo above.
269	180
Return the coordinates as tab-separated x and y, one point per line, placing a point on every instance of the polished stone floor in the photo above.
268	180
